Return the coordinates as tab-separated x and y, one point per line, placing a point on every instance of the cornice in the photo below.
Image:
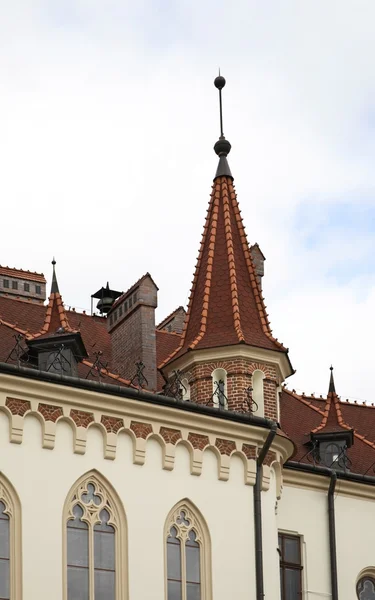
320	483
82	409
194	357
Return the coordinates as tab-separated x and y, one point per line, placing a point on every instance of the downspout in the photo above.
331	517
258	513
332	535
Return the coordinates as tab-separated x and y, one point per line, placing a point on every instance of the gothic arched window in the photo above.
187	555
95	564
366	588
10	542
219	389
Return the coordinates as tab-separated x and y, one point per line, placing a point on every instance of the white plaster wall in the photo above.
42	479
271	560
304	512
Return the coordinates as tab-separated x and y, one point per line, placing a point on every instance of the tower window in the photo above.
219	389
38	289
290	567
26	287
6	283
333	454
14	285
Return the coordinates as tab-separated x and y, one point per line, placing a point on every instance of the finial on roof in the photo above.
54	285
331	389
222	146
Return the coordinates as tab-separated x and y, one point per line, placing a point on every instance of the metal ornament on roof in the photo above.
98	368
249	404
139	378
19	353
219	397
59	362
175	387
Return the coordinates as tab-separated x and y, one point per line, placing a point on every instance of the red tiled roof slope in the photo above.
226	305
20	274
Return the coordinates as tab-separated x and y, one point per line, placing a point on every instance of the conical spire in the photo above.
222	146
331	389
54	285
226	306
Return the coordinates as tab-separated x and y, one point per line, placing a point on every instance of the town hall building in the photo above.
145	461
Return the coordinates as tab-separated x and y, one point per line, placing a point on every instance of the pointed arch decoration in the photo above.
187	554
95	541
10	542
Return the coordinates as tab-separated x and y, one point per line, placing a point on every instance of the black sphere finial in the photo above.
53	261
219	82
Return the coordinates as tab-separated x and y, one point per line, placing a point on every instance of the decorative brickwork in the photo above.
270	458
50	412
239	379
112	424
198	441
225	446
17	407
249	451
170	436
141	430
81	418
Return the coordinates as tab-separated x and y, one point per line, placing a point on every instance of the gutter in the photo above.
133	393
258	512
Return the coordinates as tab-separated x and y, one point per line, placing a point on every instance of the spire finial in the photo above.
331	389
54	285
222	146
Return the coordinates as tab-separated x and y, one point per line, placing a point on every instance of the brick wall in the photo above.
239	378
133	338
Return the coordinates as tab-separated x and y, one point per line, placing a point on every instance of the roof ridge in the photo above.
303	400
251	271
88	363
231	262
15	327
54	296
332	397
169	332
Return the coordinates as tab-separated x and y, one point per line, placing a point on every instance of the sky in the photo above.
108	117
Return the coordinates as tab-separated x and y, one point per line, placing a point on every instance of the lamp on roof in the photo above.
106	298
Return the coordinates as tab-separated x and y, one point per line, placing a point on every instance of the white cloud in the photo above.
109	116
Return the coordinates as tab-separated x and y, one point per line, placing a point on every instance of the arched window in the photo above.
366	587
188	560
258	393
10	542
95	563
219	389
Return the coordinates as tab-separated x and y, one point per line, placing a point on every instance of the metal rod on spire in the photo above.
220	83
222	146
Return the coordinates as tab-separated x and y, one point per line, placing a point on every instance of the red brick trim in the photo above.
170	436
198	441
225	446
50	412
81	418
17	406
112	424
141	430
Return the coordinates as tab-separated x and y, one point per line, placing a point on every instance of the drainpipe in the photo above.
331	517
258	513
332	535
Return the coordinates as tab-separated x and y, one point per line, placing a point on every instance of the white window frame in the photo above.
9	497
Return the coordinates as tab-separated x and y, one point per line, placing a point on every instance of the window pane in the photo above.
104	550
291	550
78	547
78	584
4	579
292	583
192	564
105	585
4	536
174	561
174	590
193	591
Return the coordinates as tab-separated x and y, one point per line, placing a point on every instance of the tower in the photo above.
228	356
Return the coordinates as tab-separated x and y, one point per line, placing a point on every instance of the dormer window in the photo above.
331	449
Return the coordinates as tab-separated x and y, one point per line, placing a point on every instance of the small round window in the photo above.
366	588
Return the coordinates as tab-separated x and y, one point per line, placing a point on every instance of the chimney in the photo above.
174	323
258	260
131	324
